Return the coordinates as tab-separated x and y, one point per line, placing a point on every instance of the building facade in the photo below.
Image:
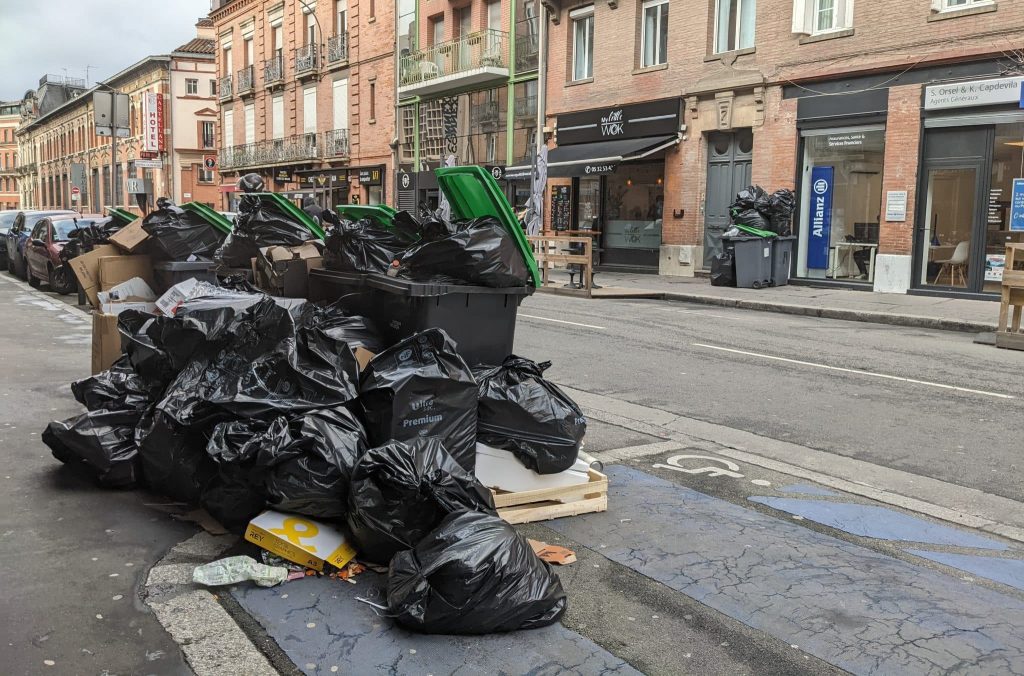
899	125
306	90
67	165
10	117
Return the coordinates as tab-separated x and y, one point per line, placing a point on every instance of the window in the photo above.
494	15
250	123
734	24
309	110
191	86
373	102
814	17
340	94
582	42
340	17
654	44
227	60
277	117
310	29
943	5
207	134
229	128
203	175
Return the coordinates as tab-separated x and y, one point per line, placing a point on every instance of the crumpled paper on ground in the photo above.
235	569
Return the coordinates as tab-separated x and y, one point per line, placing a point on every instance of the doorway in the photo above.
730	156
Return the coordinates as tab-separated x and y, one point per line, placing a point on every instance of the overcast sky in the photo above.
48	36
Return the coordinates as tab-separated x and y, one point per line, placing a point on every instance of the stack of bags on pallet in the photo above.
242	403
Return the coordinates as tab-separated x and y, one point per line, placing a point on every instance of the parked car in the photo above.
6	221
43	260
18	235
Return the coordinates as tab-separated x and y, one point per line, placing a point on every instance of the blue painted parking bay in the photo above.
856	608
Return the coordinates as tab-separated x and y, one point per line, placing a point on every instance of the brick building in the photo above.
306	91
10	117
898	124
61	152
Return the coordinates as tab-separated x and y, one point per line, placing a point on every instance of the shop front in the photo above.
972	186
615	158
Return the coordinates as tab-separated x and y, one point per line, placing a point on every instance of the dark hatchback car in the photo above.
42	251
17	236
6	221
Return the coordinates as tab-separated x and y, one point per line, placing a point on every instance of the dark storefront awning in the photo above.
589	159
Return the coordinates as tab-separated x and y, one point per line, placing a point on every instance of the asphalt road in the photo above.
693	360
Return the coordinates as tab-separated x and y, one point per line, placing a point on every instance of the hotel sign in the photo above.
977	93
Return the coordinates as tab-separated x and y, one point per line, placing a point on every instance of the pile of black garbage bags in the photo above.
758	214
478	252
259	223
178	235
243	402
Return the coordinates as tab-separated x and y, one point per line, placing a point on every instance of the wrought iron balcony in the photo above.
336	143
337	49
526	107
246	82
474	59
306	61
273	70
527	48
224	89
292	149
485	114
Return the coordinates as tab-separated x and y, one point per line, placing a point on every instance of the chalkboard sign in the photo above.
561	199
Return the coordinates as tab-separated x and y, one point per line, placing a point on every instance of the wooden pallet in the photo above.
552	503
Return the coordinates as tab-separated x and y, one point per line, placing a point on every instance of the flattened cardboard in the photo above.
117	269
363	357
106	342
130	237
300	539
87	270
284	271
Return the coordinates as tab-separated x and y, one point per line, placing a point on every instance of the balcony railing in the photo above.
527	49
526	107
273	70
472	59
246	81
306	60
337	49
336	143
485	114
224	88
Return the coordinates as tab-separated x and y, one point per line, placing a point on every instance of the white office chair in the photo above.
955	264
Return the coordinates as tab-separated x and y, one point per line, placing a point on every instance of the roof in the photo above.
205	22
198	46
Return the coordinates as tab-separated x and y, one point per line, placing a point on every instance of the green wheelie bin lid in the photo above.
473	193
380	214
121	216
292	211
212	217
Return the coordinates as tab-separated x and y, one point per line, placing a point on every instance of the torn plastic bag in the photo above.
361	246
480	252
258	224
235	569
174	459
723	270
116	389
176	235
523	413
402	491
781	205
473	575
104	441
421	387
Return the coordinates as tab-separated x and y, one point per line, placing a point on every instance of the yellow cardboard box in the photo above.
300	539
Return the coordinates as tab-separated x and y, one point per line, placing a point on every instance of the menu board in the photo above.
561	201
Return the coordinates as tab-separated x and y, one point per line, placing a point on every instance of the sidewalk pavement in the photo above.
948	314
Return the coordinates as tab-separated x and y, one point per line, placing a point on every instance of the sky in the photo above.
62	37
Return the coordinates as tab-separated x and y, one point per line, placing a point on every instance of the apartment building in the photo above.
306	90
467	93
10	117
65	164
900	126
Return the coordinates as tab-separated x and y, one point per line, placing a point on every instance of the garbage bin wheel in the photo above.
757	285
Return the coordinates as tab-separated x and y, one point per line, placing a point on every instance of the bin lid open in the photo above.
380	214
121	216
473	193
212	217
292	211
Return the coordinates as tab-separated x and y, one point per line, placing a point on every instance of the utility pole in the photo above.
113	148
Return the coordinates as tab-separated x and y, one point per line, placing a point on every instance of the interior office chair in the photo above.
956	265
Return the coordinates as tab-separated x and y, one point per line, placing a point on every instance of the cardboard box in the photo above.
118	306
87	270
106	342
130	237
300	539
284	271
172	299
115	270
363	357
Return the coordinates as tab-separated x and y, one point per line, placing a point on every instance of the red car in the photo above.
42	251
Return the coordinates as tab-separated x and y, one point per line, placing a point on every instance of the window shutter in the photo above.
800	17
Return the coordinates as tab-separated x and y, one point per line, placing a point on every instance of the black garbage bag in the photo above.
116	389
102	440
480	252
361	246
259	223
421	388
751	197
523	413
750	217
723	270
781	205
158	348
251	183
473	575
402	491
174	459
176	234
301	464
324	329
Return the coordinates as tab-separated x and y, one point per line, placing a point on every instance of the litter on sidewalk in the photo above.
235	569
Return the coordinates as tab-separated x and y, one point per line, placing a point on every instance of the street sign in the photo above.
136	186
149	164
76	193
210	162
111	112
148	155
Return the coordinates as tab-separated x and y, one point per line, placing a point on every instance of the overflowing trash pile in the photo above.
755	215
294	422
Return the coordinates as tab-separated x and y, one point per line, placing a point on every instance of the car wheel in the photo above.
33	281
60	280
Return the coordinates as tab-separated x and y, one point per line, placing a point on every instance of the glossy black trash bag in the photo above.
176	234
102	440
781	205
118	388
521	412
402	491
325	329
473	575
174	459
421	388
723	270
480	252
259	223
361	246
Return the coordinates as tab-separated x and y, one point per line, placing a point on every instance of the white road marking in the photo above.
562	321
701	313
856	371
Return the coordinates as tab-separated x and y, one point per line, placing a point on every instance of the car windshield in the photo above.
63	228
7	220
